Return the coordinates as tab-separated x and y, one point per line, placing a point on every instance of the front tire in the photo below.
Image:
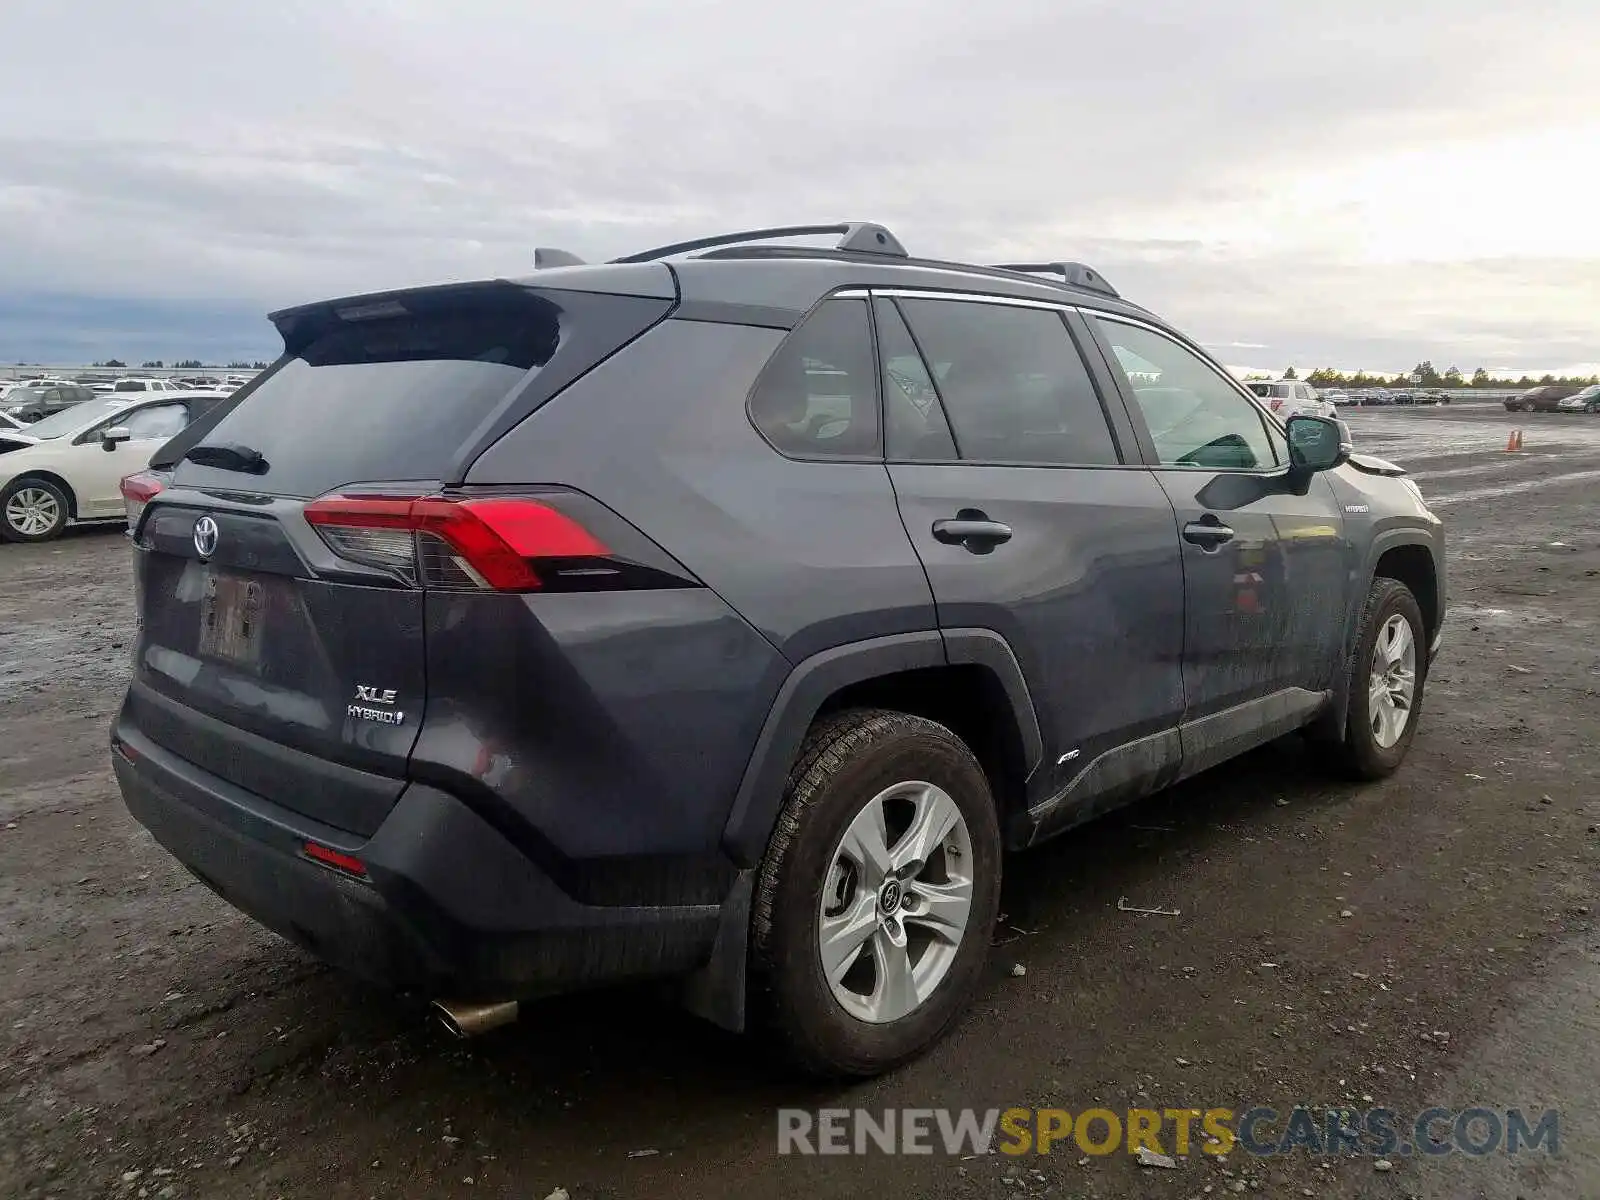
32	510
877	898
1385	678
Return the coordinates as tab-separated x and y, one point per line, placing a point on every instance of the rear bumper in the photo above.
449	907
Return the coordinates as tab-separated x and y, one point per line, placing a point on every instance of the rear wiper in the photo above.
229	457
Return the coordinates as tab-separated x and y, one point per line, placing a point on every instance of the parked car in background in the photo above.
32	404
147	385
73	471
801	646
1546	398
1587	401
1289	397
1337	397
14	433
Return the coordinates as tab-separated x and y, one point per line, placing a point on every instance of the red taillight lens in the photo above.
1276	404
138	490
484	543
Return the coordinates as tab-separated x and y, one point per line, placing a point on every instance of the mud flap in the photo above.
716	992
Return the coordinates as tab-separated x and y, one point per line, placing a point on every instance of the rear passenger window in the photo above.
916	427
1014	387
817	396
156	421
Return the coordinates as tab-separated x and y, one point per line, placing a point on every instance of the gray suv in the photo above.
724	612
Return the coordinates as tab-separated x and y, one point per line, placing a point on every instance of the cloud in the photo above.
1385	181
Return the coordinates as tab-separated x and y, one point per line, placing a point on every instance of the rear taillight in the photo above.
489	543
1277	404
138	490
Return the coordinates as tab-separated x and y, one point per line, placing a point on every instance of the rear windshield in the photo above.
379	393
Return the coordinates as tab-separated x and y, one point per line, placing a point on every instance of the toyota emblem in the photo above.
205	537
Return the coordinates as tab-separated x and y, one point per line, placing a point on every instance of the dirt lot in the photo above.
155	1044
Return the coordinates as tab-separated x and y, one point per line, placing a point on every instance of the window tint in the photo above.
1014	386
129	385
1196	417
157	421
816	397
916	427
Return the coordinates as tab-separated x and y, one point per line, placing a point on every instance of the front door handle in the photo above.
973	530
1208	533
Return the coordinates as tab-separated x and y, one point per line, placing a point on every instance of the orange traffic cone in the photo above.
1514	441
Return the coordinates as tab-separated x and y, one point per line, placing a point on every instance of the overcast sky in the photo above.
1362	185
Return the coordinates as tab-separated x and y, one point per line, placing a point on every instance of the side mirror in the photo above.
113	437
1316	444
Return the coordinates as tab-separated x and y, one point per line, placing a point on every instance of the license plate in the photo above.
230	620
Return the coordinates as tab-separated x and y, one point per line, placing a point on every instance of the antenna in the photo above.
548	256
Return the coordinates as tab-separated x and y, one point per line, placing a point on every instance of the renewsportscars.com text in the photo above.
1258	1131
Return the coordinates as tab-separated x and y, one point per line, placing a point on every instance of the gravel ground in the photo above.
155	1044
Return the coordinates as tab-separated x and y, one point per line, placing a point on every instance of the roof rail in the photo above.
1074	273
860	236
548	256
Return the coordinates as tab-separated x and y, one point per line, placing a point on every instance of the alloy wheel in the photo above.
896	902
1392	684
33	511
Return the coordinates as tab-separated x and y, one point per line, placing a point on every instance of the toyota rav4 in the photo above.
723	614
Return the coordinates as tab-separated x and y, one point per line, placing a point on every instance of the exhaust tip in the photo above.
469	1020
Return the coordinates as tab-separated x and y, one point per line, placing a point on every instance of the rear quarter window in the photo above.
817	396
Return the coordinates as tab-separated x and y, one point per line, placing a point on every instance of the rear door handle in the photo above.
973	530
1208	533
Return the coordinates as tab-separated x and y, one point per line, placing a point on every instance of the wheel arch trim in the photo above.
1385	541
815	679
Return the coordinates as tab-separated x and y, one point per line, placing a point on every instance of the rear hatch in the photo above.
283	564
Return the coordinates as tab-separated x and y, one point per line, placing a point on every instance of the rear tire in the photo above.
32	510
913	789
1385	676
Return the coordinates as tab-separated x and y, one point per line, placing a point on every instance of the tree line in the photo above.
1424	374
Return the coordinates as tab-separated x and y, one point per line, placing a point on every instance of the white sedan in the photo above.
73	472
